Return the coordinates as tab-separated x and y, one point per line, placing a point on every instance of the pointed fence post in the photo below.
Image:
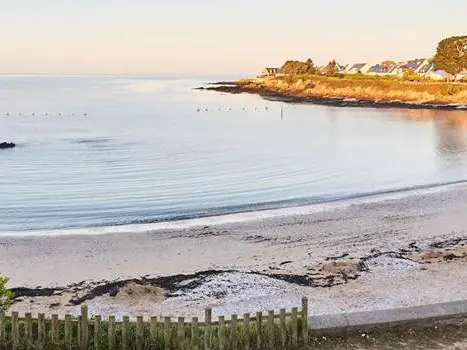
84	328
68	332
28	330
294	328
125	332
247	331
283	327
305	321
194	333
14	330
111	332
207	329
97	332
259	327
234	333
221	332
271	332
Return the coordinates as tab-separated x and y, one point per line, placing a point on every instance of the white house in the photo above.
362	68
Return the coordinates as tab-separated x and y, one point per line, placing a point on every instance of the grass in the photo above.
362	87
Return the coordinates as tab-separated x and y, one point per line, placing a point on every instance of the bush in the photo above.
6	296
410	75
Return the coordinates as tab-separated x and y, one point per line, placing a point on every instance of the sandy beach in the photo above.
364	256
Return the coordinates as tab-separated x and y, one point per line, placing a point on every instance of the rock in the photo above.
5	145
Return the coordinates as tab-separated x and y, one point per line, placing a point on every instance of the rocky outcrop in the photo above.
5	145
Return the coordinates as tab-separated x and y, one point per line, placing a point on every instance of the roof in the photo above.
425	68
358	66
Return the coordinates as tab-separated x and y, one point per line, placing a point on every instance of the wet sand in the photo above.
386	254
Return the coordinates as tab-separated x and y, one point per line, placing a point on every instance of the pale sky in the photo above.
216	36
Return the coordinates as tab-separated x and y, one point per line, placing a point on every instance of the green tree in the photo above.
451	54
298	67
6	296
332	68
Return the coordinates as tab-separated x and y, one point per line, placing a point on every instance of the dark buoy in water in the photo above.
5	145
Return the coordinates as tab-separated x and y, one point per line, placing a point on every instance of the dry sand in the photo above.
378	255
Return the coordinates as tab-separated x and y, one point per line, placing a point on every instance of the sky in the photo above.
216	36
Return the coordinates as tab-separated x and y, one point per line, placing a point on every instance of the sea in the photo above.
101	154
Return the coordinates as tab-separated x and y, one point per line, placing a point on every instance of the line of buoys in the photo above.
60	114
230	109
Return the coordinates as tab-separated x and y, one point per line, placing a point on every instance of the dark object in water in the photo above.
5	145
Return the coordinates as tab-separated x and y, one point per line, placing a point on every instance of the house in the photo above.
418	65
382	69
267	72
362	68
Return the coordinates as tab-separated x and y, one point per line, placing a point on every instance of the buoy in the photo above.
85	114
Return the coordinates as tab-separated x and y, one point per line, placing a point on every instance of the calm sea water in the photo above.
144	153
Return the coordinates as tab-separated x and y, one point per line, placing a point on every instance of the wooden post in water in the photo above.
271	329
221	332
139	333
207	329
194	333
305	321
294	328
259	327
234	332
28	330
97	332
68	332
41	331
283	328
125	332
111	332
14	330
247	331
84	327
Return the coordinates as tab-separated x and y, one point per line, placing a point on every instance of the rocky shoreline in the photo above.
288	97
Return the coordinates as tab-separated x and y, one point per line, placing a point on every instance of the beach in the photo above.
365	255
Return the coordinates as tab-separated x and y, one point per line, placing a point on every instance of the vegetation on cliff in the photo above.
358	87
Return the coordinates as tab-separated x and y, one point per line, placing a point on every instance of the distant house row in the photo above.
421	66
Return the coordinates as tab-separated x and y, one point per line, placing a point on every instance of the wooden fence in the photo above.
282	330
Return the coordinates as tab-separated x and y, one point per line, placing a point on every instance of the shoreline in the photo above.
363	257
266	211
289	97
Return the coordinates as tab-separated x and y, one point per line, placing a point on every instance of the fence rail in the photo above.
274	330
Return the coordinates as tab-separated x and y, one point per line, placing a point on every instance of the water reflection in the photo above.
450	128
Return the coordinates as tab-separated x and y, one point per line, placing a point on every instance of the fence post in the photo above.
247	331
153	332
194	333
294	327
271	332
2	329
84	327
28	330
207	329
283	327
259	327
166	332
234	332
41	330
68	332
305	321
111	332
181	332
139	333
97	332
125	331
14	330
54	330
221	333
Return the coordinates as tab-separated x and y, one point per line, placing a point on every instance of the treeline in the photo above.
451	56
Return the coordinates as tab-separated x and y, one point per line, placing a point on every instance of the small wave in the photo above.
93	140
218	218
